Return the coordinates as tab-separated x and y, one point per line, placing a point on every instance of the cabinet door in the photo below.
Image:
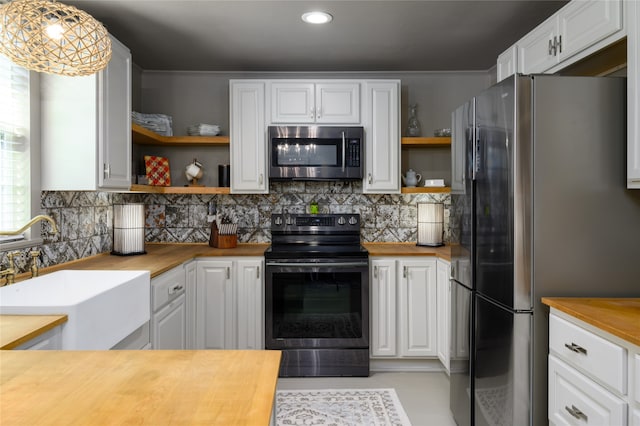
51	340
382	174
169	326
190	294
114	112
417	307
250	312
443	311
293	102
337	103
575	399
248	138
214	305
535	53
507	63
584	23
383	308
633	94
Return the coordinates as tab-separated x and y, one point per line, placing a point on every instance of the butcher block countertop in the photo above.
407	249
160	257
620	317
138	387
18	329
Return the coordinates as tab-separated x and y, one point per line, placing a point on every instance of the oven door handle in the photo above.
344	152
313	264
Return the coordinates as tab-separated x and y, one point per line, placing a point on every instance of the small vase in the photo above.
413	126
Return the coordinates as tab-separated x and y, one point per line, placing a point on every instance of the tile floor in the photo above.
424	396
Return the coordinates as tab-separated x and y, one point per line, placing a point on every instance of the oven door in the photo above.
311	305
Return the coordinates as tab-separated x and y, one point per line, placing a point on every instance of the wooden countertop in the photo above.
138	387
17	329
407	249
160	257
620	317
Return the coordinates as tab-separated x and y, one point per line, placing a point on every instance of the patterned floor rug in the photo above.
340	407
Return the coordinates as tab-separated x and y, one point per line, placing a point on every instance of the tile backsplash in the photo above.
85	219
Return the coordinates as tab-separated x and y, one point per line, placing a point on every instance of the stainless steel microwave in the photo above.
316	153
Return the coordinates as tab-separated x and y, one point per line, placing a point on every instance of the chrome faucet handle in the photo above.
34	263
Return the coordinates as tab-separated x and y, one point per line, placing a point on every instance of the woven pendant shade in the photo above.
51	37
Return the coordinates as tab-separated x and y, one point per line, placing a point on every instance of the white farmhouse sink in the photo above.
103	307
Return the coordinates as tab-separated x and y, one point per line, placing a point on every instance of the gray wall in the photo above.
203	97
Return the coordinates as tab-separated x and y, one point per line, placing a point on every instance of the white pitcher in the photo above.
411	179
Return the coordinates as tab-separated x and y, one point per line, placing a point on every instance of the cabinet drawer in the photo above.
598	357
165	286
576	400
636	380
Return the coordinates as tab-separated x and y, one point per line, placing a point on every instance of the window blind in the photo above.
15	171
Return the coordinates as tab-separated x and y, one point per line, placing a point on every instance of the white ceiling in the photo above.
265	35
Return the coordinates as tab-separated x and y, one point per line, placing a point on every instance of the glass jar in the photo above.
413	126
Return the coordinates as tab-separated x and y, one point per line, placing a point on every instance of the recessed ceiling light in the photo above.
317	17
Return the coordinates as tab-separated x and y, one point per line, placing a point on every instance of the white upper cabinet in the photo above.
248	137
575	31
382	136
507	63
86	127
300	102
633	97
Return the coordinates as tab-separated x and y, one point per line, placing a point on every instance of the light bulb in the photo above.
54	31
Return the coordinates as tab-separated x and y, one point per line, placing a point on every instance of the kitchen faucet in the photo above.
10	272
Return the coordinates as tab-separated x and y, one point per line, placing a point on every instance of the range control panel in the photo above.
298	223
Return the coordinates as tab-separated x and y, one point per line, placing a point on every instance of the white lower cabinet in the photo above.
228	303
214	305
51	340
593	375
443	290
403	307
383	308
169	310
574	399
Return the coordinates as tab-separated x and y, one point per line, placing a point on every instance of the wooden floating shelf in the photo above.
149	189
426	190
443	141
142	136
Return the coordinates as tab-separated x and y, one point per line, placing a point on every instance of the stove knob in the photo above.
278	220
353	220
289	220
341	220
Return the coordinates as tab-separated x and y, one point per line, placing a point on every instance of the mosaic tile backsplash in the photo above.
85	219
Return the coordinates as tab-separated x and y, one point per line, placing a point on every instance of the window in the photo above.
18	197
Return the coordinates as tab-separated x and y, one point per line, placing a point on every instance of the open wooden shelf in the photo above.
426	190
443	141
142	136
149	189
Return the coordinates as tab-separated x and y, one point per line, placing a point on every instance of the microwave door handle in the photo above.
344	151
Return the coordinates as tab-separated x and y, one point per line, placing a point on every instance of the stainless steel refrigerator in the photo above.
538	208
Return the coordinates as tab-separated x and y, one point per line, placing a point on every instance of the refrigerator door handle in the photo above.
476	154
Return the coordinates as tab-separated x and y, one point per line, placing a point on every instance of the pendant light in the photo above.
51	37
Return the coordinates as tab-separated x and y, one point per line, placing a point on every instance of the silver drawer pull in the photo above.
575	348
577	413
176	288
